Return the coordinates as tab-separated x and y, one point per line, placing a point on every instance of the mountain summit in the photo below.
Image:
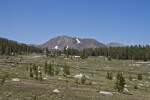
71	42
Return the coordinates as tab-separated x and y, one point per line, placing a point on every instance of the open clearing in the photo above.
58	87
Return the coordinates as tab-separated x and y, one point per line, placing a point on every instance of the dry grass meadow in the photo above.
95	68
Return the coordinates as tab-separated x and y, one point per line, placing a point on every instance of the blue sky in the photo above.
37	21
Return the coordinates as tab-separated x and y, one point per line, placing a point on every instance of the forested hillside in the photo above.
8	47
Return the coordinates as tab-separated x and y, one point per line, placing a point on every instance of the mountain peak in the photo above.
60	42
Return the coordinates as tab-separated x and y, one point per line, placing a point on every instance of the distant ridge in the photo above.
114	44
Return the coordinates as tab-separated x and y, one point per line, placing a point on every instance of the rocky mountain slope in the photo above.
71	42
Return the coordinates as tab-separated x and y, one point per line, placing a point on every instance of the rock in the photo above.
140	84
45	78
134	79
56	91
76	56
146	82
60	78
136	65
80	76
15	80
94	83
87	76
142	62
36	56
66	58
61	68
114	78
126	86
125	90
105	93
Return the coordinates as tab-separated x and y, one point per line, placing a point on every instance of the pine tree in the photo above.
57	71
50	70
31	74
41	79
109	75
83	79
120	82
35	69
45	67
139	76
66	69
47	52
4	78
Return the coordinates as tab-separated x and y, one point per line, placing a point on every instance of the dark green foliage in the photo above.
66	69
90	83
71	51
31	74
47	52
9	47
83	54
27	68
30	69
57	71
135	87
109	58
50	69
4	78
45	67
109	75
35	69
58	52
120	82
130	78
139	76
83	79
53	61
98	89
34	98
136	52
67	81
64	50
41	79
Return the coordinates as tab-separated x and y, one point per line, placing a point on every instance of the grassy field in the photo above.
94	67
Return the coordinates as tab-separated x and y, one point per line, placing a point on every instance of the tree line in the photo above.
9	47
136	52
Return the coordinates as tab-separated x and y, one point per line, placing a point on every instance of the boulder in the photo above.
105	93
15	80
56	91
125	90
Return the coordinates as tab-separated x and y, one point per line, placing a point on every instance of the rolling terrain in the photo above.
96	68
